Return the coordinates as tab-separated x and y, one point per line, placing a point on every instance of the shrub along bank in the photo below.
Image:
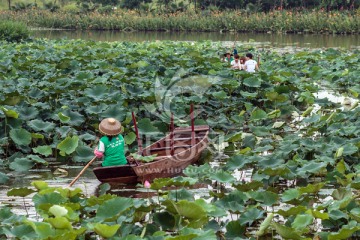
275	21
13	31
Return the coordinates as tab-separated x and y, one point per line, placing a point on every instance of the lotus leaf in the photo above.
301	221
20	136
110	209
43	150
68	145
59	222
234	229
286	232
20	192
83	153
9	113
21	164
165	220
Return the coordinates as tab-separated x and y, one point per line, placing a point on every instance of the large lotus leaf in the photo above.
76	119
43	230
130	138
39	125
36	93
87	137
301	221
21	164
22	232
3	178
98	92
20	136
200	234
48	198
265	197
344	233
223	177
292	211
234	229
146	127
220	95
211	209
9	113
68	145
115	111
28	113
106	231
110	209
20	192
165	220
253	185
96	109
250	216
252	82
43	150
290	194
258	114
286	232
63	118
83	153
239	161
190	210
37	159
311	167
181	194
349	149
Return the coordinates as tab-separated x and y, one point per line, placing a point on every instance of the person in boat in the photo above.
250	64
242	62
111	145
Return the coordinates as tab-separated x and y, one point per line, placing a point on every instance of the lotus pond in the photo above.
301	151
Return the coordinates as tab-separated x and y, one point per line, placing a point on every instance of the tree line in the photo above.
249	5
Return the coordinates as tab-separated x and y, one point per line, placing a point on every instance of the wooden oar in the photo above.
82	171
140	149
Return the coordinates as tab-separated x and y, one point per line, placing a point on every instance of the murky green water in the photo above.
261	39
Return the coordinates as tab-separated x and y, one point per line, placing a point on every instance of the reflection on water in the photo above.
275	40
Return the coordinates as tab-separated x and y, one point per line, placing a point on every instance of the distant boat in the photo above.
180	148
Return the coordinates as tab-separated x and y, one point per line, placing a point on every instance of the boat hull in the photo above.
174	154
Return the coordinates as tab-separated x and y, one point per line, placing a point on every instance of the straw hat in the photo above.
110	127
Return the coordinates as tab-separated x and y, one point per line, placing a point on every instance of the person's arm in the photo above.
99	150
257	66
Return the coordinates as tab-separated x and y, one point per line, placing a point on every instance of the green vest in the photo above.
114	151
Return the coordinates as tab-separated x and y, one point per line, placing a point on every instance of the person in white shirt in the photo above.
250	64
236	64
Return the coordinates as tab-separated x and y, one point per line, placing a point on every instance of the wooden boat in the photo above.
182	147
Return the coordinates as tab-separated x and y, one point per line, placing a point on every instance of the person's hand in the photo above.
98	154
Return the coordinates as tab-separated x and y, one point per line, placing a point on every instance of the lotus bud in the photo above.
147	184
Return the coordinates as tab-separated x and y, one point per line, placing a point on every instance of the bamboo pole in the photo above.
82	171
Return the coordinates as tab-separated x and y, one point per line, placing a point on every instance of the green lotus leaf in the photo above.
165	220
40	185
87	137
337	214
312	188
265	197
37	136
28	113
114	111
58	211
258	114
301	221
76	119
248	94
290	194
106	231
39	125
245	187
43	150
252	82
251	215
223	177
130	138
234	229
112	208
211	209
97	109
286	232
37	159
159	183
48	198
21	164
181	194
97	92
68	145
146	127
63	118
318	214
43	230
83	153
20	136
190	210
20	192
344	233
3	178
220	95
9	113
22	231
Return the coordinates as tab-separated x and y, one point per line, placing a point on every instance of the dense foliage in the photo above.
302	152
275	21
13	31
